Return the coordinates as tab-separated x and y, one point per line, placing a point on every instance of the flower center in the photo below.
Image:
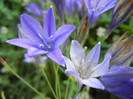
96	7
47	43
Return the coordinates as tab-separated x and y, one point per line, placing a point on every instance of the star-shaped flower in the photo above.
44	40
97	7
86	68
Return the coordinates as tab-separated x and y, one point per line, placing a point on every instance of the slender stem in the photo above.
49	83
71	89
58	81
19	77
3	95
66	93
104	38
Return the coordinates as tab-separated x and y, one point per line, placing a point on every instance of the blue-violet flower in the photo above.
97	7
86	68
45	40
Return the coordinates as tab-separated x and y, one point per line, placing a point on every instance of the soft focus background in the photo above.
10	11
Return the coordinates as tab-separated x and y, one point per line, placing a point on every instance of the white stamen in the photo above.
103	6
92	2
40	35
41	45
93	10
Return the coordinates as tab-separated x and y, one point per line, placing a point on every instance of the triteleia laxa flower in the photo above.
121	51
121	12
35	9
86	68
45	40
119	81
97	7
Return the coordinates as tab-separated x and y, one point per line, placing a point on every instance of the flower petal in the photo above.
102	68
32	28
49	23
94	54
62	34
93	82
22	42
56	55
119	81
33	51
34	9
69	65
77	54
73	73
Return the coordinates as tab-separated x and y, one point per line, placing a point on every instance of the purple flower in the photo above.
97	7
121	51
122	11
35	9
119	81
45	40
86	68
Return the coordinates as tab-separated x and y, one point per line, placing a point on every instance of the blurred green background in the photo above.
10	11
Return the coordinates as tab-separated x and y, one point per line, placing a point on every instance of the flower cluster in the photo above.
112	74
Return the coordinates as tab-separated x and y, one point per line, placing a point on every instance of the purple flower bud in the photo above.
122	11
121	51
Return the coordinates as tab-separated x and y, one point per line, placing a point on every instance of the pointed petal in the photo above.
69	65
62	34
24	43
49	23
77	54
34	9
102	68
32	28
69	6
80	84
119	81
33	51
56	55
93	17
94	54
93	82
73	73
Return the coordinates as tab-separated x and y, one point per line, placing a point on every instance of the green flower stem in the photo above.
66	93
3	95
58	81
57	86
104	38
19	77
71	89
49	83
